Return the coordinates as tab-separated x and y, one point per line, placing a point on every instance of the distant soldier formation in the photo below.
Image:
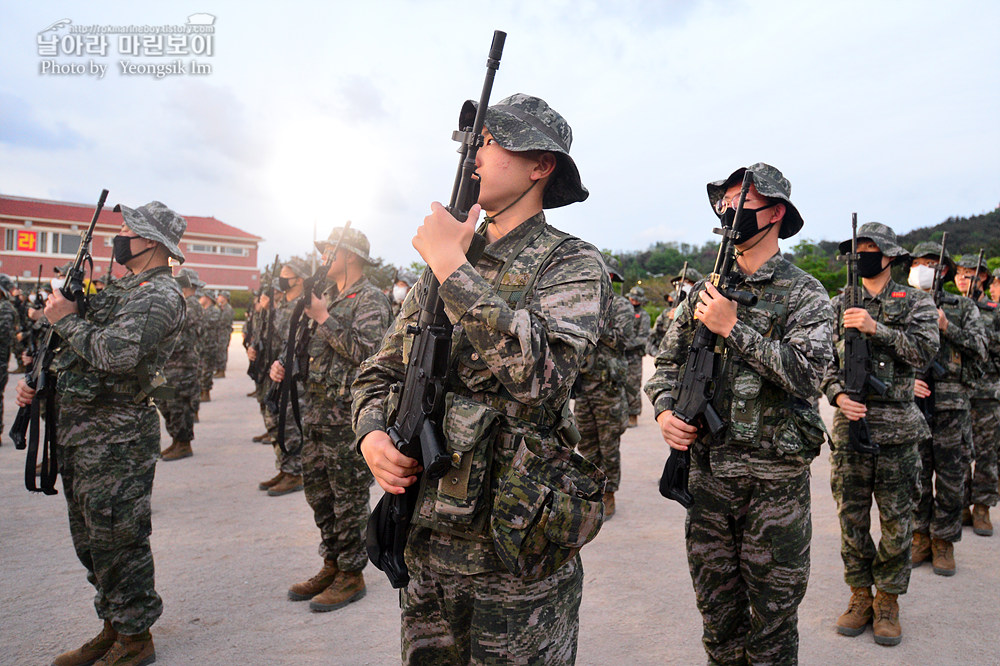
488	395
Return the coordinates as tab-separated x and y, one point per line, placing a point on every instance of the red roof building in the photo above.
38	232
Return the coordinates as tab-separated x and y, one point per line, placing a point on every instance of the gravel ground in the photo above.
226	553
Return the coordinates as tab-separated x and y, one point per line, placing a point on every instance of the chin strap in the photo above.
740	253
490	219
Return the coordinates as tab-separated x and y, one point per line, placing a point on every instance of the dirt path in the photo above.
225	554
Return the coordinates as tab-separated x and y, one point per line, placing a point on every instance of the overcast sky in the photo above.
327	111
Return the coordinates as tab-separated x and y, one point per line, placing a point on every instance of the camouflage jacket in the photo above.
774	359
640	331
511	372
905	340
962	353
8	328
359	317
988	388
210	318
659	330
606	368
109	358
226	316
185	357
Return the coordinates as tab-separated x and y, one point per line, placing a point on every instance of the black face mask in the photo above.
122	248
284	284
869	264
747	228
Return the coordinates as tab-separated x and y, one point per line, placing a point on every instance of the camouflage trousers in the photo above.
633	386
491	618
986	440
291	462
336	481
108	489
944	459
748	552
207	369
891	478
601	420
3	386
179	411
222	354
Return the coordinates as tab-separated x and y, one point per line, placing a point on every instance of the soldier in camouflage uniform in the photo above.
351	318
749	528
288	462
981	491
682	285
182	371
405	280
601	407
946	455
635	348
900	323
108	371
489	583
8	331
209	343
226	315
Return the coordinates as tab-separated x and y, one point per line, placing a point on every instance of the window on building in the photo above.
10	240
65	243
219	249
207	249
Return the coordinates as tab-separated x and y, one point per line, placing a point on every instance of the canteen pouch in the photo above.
802	434
548	505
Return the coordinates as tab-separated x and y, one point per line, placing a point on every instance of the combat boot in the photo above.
220	374
943	557
609	505
347	587
92	650
170	449
981	524
886	624
260	438
206	396
316	584
183	450
859	612
633	420
920	552
270	483
289	484
135	650
966	517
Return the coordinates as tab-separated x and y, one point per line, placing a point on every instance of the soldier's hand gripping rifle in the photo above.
934	369
27	422
699	378
293	357
858	377
416	429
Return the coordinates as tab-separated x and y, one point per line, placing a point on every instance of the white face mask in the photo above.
399	293
686	288
921	277
57	283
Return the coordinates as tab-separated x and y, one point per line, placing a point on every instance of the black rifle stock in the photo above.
858	377
699	381
25	430
934	369
416	430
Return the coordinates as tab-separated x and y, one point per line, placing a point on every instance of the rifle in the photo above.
294	358
934	369
262	339
679	291
39	379
416	428
971	291
858	377
693	404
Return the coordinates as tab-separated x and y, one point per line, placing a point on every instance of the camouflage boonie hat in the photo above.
210	293
409	277
354	241
932	250
192	278
614	267
155	221
881	235
769	183
299	267
183	281
524	122
225	292
971	261
6	284
691	274
638	293
64	269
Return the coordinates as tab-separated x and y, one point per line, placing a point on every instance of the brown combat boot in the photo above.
170	449
289	484
920	552
609	505
347	587
182	450
206	396
135	650
858	614
943	557
316	584
633	420
220	374
91	650
270	483
260	438
981	524
886	624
